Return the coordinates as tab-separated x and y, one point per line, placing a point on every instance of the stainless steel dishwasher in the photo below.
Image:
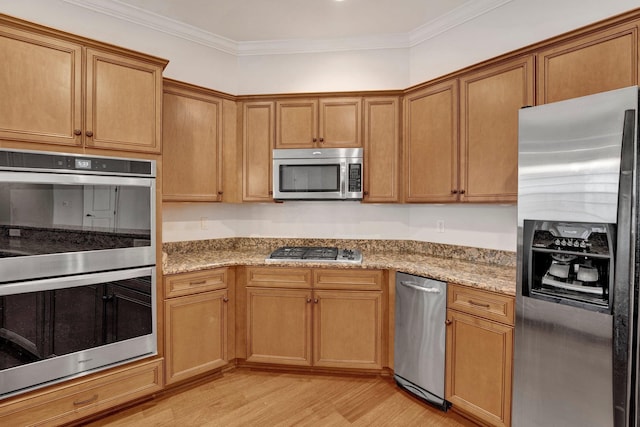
421	306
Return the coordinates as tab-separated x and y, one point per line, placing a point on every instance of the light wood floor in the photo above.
255	398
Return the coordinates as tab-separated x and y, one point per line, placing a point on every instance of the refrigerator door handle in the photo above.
623	289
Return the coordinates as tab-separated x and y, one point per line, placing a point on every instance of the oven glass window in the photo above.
310	178
41	325
54	218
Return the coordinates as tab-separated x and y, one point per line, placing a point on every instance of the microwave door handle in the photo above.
343	190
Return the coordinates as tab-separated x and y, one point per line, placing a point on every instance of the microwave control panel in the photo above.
355	178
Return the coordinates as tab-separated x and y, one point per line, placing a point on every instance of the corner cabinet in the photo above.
588	64
70	91
192	152
196	323
382	150
323	122
479	354
329	318
490	100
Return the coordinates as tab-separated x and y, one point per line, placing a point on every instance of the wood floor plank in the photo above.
245	397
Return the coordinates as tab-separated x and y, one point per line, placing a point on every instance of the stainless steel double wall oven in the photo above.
77	265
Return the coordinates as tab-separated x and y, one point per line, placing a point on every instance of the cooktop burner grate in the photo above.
315	254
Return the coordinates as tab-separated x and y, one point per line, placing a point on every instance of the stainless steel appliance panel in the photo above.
420	336
569	158
563	374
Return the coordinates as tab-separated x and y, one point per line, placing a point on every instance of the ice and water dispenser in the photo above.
569	263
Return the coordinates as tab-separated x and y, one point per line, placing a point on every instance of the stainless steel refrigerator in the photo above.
576	344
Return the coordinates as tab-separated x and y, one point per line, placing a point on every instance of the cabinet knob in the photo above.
448	322
461	191
315	300
454	191
315	139
219	193
321	139
89	133
225	299
77	132
308	300
365	193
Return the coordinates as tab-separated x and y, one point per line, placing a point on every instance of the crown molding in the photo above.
458	16
119	10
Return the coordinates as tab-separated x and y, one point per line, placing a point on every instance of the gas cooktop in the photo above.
315	254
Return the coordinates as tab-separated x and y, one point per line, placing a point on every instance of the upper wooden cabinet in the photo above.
381	149
490	99
192	133
324	122
604	60
431	144
58	90
257	150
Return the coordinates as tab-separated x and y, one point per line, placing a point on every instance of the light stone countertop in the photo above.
470	272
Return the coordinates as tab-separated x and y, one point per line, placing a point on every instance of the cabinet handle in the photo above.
479	304
199	282
448	322
454	191
321	139
308	300
461	191
77	132
315	300
315	139
89	133
225	299
220	193
86	401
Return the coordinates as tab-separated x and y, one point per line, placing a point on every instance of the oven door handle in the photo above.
50	284
74	179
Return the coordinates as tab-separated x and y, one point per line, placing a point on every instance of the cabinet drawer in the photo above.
198	281
347	279
277	277
489	305
84	398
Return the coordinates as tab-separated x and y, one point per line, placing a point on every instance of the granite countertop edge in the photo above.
490	277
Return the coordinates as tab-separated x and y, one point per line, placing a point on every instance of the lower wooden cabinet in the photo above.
304	326
196	324
479	354
79	399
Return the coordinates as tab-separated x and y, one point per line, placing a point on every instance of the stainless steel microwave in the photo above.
317	174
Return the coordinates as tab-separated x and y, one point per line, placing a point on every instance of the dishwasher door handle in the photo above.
412	285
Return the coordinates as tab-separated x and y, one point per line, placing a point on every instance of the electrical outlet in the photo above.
203	223
440	225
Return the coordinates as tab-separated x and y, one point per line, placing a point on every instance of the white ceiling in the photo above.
257	26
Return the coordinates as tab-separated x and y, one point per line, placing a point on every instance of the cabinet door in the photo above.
279	326
257	142
381	149
296	123
431	144
340	122
490	101
40	83
585	65
195	334
124	103
347	329
479	367
192	133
